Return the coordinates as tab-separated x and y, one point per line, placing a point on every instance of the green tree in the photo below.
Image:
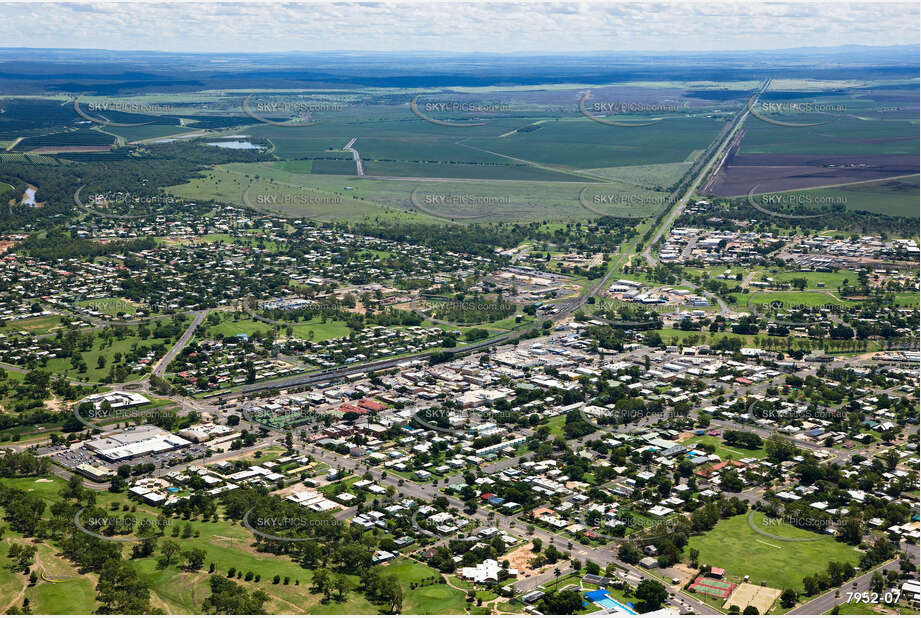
120	590
651	594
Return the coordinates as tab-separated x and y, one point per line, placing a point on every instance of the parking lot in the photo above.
72	456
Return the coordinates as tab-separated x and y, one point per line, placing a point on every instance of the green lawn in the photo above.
794	298
10	583
314	330
907	299
69	593
723	450
66	597
567	581
47	487
109	306
434	599
556	425
831	280
732	545
33	326
713	271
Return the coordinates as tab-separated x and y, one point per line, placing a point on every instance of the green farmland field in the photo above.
896	196
853	123
660	175
579	143
333	197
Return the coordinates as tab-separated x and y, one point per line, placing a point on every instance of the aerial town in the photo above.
503	331
614	446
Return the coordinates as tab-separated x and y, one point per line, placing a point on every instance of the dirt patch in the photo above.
783	172
684	573
757	596
519	559
55	404
293	489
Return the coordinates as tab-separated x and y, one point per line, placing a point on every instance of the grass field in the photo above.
732	545
150	131
659	175
794	298
109	306
33	326
907	299
831	280
896	196
313	330
11	583
481	171
580	143
556	426
852	121
331	197
300	195
62	596
725	451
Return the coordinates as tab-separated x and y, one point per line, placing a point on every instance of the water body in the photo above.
237	145
176	139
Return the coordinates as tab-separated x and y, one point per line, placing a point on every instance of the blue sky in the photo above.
455	26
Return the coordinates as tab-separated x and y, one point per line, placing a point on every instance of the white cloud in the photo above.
455	26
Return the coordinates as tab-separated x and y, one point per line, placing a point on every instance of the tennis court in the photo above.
713	587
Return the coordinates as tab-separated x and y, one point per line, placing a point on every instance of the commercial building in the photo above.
117	399
135	442
95	473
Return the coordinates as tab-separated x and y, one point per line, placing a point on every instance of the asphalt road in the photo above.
161	366
838	596
705	170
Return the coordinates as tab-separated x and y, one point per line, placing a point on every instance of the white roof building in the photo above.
486	571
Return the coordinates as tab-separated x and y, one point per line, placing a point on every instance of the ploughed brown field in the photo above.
782	172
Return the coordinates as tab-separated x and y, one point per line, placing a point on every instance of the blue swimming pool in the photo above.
601	597
607	603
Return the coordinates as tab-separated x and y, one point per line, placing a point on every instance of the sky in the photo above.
504	27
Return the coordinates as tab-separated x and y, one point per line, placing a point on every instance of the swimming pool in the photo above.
609	603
